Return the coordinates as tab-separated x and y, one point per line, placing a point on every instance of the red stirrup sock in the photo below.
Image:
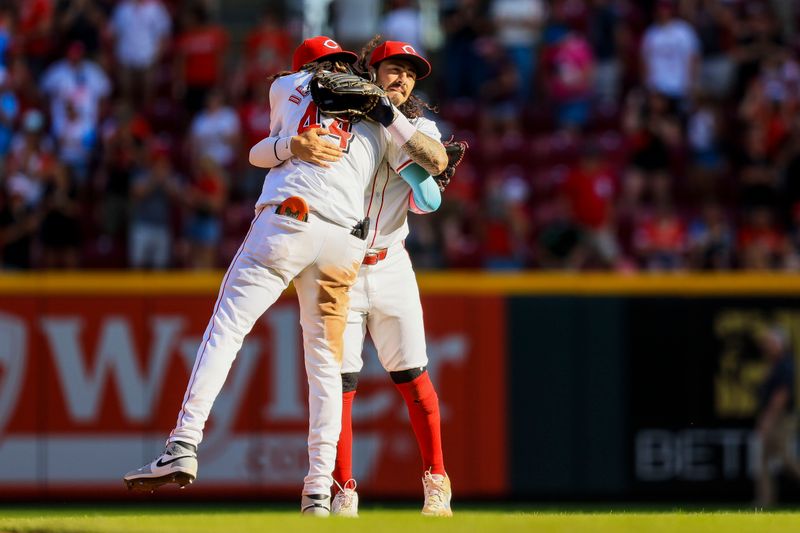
344	450
423	409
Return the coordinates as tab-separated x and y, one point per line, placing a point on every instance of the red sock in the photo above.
344	450
423	409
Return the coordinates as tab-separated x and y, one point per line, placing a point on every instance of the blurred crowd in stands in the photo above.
605	134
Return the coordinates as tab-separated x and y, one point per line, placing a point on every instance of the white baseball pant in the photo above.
324	257
385	300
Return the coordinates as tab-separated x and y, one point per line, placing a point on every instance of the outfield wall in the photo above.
552	386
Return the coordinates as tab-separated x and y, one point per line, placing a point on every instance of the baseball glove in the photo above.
455	153
344	95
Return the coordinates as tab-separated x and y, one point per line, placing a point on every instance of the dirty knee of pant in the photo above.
333	299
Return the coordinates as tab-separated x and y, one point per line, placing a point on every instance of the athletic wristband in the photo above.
283	148
401	130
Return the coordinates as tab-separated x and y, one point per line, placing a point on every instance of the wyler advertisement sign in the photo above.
90	387
696	371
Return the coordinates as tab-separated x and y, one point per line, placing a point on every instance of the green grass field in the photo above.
219	519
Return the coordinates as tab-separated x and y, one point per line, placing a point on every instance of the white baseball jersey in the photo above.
387	197
335	193
385	299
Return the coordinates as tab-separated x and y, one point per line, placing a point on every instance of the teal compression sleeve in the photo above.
426	196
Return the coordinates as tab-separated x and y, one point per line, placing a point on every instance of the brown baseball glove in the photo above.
344	95
455	153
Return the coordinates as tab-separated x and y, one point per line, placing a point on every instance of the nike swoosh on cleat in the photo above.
160	463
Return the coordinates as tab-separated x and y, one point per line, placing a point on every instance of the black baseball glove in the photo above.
344	95
455	153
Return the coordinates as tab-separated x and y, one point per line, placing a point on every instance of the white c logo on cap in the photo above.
409	50
330	43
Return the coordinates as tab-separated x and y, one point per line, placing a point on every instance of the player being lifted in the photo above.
308	227
385	299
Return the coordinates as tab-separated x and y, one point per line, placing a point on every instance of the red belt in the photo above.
372	258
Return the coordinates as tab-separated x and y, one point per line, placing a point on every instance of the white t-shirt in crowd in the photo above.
356	20
405	25
211	133
529	16
668	51
76	141
139	27
84	84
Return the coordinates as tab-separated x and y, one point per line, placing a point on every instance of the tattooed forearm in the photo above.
427	153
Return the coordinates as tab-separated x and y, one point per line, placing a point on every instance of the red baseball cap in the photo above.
401	50
316	48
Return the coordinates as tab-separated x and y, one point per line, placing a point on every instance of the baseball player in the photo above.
385	299
308	228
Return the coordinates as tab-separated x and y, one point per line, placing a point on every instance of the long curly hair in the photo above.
413	107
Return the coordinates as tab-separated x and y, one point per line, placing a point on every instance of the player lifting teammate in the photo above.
391	310
308	228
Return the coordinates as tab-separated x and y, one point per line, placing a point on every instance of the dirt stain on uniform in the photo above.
334	301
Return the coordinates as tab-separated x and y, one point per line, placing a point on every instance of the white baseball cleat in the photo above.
315	505
345	503
178	464
437	495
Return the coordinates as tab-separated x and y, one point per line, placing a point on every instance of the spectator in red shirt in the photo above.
506	226
254	119
24	84
34	33
661	239
461	234
267	50
762	244
199	54
591	188
768	107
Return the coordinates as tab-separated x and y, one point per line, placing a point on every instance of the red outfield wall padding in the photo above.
90	387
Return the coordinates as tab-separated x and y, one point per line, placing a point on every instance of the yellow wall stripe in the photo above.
444	282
